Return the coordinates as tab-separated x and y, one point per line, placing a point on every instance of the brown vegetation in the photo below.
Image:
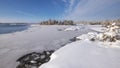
105	22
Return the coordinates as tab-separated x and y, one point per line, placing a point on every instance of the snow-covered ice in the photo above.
98	28
36	38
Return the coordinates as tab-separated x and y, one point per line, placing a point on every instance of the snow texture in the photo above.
84	54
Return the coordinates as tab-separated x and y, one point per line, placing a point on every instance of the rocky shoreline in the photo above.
34	59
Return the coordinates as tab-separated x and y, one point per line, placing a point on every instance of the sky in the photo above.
40	10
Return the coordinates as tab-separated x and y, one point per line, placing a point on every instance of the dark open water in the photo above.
12	28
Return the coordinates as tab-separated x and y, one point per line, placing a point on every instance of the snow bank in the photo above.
84	54
98	37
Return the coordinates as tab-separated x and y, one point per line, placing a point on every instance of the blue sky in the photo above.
39	10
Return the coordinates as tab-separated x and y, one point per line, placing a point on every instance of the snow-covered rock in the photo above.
89	35
110	34
72	28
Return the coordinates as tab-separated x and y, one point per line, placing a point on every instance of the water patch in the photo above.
12	28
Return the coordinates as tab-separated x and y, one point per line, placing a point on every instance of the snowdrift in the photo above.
84	54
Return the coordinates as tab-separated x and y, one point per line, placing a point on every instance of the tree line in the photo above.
56	22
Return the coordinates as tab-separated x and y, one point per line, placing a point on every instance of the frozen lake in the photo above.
34	39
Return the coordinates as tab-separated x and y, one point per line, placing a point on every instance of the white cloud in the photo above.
70	5
86	8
